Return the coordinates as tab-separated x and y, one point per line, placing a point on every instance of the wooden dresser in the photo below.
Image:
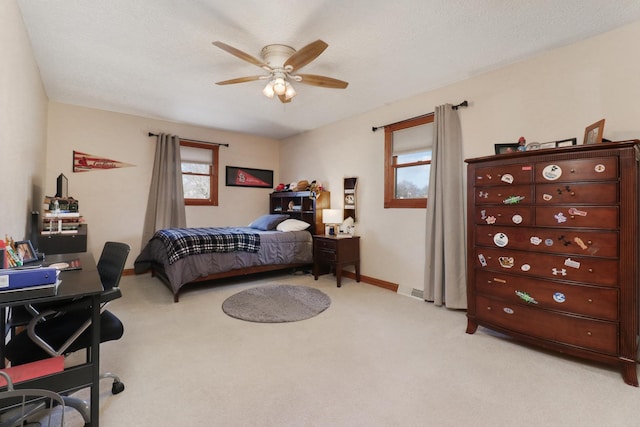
553	249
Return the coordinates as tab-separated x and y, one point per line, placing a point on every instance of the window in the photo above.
199	173
407	162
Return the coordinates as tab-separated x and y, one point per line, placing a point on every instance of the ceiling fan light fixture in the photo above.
281	61
279	86
268	90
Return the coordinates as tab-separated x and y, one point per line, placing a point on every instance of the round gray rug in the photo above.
276	304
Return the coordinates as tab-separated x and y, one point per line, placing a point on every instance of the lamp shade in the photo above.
279	86
332	216
268	90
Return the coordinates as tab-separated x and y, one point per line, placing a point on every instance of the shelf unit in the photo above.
59	243
300	205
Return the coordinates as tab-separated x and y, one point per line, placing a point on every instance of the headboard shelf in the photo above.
301	205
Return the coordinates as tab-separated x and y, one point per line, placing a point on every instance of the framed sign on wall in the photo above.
249	177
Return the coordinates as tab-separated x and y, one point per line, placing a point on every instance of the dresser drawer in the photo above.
504	215
597	271
325	250
591	334
549	240
605	217
326	256
326	245
509	174
592	301
567	193
504	195
595	169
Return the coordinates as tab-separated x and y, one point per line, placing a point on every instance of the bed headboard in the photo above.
301	205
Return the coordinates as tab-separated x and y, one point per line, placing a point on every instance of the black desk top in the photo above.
74	284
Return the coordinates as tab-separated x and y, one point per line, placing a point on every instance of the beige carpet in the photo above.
374	358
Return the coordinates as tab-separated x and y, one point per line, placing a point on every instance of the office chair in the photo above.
27	406
64	329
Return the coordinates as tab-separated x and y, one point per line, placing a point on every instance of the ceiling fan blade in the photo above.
242	55
241	80
328	82
284	99
305	55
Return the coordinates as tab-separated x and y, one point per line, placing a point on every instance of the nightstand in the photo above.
336	252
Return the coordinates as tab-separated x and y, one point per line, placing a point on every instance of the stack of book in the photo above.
61	222
60	216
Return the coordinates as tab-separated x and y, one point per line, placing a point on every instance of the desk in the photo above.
84	283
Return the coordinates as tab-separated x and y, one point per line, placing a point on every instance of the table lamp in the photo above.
332	218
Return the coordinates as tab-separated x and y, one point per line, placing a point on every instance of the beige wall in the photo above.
23	121
113	202
551	97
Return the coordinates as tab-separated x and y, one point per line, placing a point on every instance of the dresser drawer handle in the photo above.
590	301
589	333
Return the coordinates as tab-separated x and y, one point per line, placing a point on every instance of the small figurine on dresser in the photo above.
522	142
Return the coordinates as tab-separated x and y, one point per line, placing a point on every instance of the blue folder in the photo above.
19	279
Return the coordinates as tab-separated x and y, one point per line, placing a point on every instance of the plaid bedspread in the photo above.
182	242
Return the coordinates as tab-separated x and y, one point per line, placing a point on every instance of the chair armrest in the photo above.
80	304
31	331
110	295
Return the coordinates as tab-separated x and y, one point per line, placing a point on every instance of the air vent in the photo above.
417	293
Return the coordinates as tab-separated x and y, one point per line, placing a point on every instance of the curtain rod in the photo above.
455	107
194	140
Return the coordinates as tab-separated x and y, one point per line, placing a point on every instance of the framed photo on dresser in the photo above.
506	148
567	142
593	133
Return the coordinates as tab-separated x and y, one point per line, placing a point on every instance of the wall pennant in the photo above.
83	162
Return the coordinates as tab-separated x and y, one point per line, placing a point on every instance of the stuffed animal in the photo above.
315	188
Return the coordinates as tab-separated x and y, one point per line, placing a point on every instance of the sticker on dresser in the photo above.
552	172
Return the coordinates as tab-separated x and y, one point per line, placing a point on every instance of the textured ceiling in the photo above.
154	58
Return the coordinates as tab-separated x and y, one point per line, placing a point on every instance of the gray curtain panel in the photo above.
165	208
445	267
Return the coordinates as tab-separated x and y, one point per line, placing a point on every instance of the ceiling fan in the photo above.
282	63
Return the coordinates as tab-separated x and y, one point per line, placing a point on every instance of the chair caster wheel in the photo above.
117	387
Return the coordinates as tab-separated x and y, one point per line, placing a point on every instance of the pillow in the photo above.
268	222
292	225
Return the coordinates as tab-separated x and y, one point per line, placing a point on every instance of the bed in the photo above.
180	256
